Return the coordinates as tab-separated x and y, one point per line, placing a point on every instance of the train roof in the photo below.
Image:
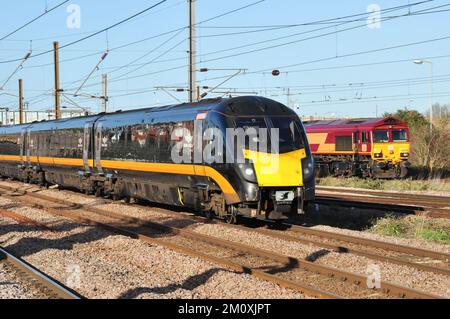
352	123
237	106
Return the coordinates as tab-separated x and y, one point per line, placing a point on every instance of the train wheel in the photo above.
98	192
209	214
231	217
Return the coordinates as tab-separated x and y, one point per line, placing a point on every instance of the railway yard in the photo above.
225	158
109	249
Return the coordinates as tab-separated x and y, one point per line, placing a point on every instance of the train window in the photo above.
399	136
364	138
289	134
381	136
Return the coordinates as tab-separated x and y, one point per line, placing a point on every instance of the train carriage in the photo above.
131	155
378	148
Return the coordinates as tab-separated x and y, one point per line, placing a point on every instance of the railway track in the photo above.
44	283
387	252
421	205
289	272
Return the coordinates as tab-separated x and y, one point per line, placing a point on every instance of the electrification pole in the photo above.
105	93
192	53
57	88
20	101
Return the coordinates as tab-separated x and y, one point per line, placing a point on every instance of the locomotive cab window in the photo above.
381	136
399	136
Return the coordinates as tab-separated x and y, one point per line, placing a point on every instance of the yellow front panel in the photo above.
391	151
278	170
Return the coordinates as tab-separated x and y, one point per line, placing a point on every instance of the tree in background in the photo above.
429	150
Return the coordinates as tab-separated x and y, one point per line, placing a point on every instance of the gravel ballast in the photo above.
403	275
99	264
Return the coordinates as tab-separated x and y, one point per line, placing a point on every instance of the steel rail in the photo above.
409	196
369	242
335	247
237	267
387	288
312	232
59	290
390	205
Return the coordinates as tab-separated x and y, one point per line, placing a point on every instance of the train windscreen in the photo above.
399	136
290	136
381	136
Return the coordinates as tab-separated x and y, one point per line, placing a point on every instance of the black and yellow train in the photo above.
130	154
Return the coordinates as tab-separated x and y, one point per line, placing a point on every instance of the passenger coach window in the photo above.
399	136
381	136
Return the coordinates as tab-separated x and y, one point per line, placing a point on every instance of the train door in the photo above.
199	129
22	144
365	142
86	142
356	142
98	145
28	146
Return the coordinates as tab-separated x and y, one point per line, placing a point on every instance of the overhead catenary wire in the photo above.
137	41
238	54
95	33
47	11
288	43
296	34
92	72
19	67
334	57
371	99
311	23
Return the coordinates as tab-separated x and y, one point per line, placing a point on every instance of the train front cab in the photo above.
273	184
390	151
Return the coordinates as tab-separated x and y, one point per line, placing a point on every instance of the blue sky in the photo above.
357	85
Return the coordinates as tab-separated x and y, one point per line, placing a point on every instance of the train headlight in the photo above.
248	171
308	168
378	155
404	154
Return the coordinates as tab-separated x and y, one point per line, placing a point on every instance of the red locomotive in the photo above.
378	148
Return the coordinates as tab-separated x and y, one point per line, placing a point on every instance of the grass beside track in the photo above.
414	227
387	185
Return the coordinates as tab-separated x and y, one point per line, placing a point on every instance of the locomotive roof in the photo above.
351	123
